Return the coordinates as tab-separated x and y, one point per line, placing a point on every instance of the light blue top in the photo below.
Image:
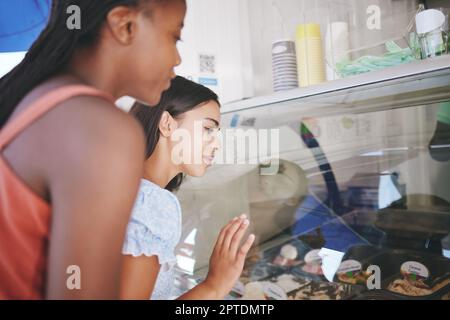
155	230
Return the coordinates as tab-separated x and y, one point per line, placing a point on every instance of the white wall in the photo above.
9	60
218	29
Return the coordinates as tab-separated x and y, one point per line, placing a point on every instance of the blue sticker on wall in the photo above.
208	81
234	121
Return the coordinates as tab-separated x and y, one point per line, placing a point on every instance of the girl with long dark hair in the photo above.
70	161
181	134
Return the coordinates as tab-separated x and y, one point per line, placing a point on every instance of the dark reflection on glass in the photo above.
416	222
334	199
440	143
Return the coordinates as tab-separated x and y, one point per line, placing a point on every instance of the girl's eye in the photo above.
210	130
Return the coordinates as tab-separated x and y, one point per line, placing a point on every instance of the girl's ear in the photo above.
122	24
167	125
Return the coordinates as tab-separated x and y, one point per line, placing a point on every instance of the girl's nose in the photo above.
178	59
216	144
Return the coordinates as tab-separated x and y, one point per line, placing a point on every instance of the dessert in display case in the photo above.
356	204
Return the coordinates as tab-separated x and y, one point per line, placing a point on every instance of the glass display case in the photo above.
357	205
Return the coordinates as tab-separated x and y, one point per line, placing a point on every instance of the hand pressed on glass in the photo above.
228	257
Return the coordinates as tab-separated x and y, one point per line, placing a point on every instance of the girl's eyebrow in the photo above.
213	120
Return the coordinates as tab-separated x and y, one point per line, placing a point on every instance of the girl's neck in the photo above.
91	69
159	168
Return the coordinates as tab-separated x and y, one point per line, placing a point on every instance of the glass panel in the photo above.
357	207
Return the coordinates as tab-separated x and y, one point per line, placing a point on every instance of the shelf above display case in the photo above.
417	83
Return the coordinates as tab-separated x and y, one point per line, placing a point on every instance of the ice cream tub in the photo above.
411	275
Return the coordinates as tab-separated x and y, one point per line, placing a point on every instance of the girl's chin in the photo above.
197	172
201	171
154	97
153	101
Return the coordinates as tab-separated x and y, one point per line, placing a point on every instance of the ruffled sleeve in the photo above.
155	225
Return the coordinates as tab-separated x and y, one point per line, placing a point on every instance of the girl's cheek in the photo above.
208	142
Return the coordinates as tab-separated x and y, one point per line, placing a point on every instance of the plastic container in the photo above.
430	28
446	27
337	36
392	265
391	42
337	45
354	266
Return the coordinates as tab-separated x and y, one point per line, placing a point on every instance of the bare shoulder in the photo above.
84	121
73	140
95	115
86	133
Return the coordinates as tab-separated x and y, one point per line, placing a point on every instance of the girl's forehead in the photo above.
207	112
169	12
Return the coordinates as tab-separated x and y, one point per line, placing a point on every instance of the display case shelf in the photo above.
421	82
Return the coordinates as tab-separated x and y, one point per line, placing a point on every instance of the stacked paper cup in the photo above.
310	57
284	64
